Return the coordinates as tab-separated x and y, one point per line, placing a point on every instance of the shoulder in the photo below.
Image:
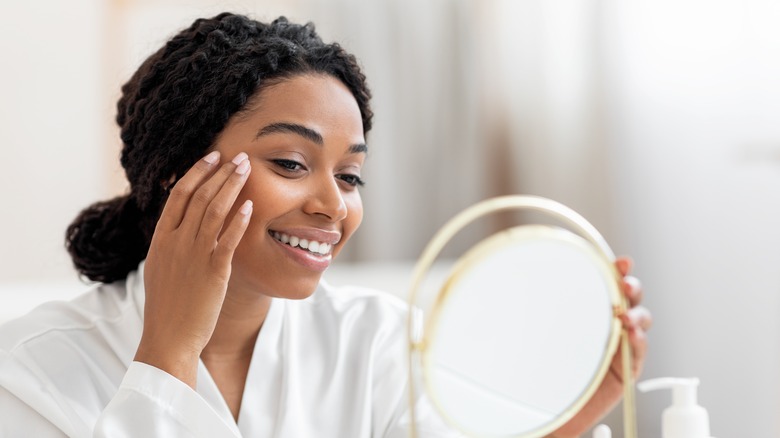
64	344
64	359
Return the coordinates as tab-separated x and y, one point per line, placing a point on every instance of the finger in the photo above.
638	341
180	195
223	253
203	196
640	318
217	211
637	338
632	288
624	265
638	348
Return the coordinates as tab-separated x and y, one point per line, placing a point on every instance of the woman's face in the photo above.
304	138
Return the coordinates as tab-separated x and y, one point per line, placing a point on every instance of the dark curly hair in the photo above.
174	107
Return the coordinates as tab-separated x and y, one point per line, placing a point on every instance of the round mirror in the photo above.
523	329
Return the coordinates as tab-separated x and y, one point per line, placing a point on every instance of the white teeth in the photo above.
310	245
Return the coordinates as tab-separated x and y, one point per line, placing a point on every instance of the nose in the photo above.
327	200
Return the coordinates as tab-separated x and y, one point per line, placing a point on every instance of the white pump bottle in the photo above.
684	418
602	431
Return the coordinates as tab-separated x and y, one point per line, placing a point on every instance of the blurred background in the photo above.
659	121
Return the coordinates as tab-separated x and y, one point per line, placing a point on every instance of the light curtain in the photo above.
473	99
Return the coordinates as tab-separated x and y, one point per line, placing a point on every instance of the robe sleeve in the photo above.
152	403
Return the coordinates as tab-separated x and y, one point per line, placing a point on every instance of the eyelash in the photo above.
352	180
289	165
294	166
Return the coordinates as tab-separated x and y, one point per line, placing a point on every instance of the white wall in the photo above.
50	137
696	157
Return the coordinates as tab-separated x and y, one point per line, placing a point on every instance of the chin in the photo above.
298	290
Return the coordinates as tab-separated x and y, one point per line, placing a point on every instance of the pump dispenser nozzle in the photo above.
684	418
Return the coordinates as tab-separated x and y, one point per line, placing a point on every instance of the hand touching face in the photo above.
266	221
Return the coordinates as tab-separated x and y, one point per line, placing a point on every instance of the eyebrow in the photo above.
307	133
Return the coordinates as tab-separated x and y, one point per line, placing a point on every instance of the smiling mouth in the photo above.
312	246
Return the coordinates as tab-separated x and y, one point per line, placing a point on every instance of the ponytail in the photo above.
106	240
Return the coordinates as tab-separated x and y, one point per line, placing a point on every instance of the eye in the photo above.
289	165
352	180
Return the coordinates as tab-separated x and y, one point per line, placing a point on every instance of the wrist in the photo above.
180	364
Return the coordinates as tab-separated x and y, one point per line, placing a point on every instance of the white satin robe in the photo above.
332	365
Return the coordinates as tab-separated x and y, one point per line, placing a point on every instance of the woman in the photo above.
243	146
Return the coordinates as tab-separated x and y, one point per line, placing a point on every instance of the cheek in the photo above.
271	197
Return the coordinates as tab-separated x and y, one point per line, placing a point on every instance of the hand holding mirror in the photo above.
523	329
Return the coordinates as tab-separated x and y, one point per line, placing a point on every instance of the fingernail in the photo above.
246	208
239	158
243	168
212	158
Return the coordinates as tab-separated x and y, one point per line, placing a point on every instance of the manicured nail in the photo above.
212	158
239	158
243	168
246	208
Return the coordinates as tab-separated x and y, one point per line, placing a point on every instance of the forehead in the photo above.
320	102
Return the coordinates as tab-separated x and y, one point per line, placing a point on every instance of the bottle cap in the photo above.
683	389
602	431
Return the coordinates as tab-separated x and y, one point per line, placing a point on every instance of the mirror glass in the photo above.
521	333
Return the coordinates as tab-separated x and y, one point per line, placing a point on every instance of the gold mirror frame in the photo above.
418	342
